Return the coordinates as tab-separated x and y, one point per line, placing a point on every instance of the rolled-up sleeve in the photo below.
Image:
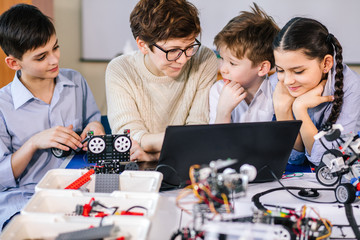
7	179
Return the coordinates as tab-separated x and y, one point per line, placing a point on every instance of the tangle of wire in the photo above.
301	219
202	192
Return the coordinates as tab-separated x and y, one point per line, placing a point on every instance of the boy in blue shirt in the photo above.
42	108
245	93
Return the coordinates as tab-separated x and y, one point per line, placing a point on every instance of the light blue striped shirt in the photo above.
21	116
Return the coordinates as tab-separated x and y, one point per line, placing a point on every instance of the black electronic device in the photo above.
109	151
308	192
261	144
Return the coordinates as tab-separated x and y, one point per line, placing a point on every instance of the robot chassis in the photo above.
340	163
110	152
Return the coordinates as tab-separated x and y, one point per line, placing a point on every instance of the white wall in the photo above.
106	23
67	14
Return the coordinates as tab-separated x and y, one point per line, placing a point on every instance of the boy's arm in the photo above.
13	164
58	137
7	179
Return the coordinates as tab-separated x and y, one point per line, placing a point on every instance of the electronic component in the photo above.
109	152
303	224
96	209
213	190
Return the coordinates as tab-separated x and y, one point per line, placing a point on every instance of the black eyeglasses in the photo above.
174	54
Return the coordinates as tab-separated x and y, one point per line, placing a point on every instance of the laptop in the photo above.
265	145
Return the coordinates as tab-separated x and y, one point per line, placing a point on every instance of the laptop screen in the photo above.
262	144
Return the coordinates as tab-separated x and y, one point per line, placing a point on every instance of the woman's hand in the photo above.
137	153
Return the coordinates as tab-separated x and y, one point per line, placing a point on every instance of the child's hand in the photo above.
231	95
312	98
96	127
57	137
282	99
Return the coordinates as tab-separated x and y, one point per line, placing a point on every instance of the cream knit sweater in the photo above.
145	103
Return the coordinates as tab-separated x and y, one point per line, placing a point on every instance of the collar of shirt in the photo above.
265	88
21	94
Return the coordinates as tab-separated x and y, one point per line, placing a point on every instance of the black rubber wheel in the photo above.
345	193
323	173
324	176
59	153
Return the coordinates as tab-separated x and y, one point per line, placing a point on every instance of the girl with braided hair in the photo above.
314	85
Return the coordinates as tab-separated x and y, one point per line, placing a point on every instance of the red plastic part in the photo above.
81	180
101	214
87	210
131	213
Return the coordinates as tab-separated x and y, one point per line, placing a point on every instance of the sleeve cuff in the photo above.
6	173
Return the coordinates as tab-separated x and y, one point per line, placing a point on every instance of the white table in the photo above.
168	217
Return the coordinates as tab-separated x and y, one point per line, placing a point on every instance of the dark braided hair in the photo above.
315	40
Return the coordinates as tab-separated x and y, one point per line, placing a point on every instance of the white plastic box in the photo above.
129	181
64	202
35	226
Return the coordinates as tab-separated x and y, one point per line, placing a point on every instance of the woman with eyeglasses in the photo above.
166	82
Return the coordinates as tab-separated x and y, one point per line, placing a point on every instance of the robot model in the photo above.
110	152
213	190
340	162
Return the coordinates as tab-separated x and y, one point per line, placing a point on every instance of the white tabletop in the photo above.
169	218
